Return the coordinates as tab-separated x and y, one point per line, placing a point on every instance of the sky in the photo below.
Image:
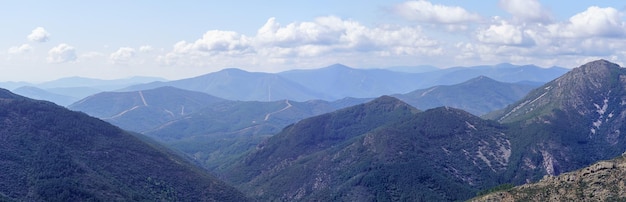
47	40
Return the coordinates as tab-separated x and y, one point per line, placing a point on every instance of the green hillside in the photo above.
49	153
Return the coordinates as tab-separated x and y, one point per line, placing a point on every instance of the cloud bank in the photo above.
325	37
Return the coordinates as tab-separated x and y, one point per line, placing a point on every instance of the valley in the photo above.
427	144
298	101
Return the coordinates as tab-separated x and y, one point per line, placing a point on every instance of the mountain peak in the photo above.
601	67
338	66
389	102
579	91
480	78
233	70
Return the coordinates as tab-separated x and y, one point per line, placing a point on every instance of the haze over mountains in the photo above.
478	96
426	144
328	83
339	81
49	153
566	124
65	91
182	118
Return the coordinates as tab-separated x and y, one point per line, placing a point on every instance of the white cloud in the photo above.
61	54
24	48
216	41
526	10
593	33
213	44
39	34
146	49
324	37
424	11
333	35
504	34
532	37
596	21
122	56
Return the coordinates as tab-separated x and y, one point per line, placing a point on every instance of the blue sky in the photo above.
46	40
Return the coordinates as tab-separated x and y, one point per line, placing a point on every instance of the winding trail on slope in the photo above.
123	112
143	99
267	116
131	109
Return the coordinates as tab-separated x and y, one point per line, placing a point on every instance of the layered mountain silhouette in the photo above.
236	84
210	129
66	91
388	150
504	72
49	153
478	96
41	94
339	81
144	110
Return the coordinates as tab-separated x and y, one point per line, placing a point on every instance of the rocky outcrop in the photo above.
602	181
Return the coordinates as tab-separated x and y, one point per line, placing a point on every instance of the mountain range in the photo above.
68	90
346	150
381	150
236	84
203	126
49	153
41	94
478	95
387	150
339	81
144	110
363	149
328	83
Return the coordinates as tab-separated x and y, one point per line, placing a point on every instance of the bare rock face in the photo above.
568	123
602	181
586	90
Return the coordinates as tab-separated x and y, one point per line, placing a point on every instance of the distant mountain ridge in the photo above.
40	94
478	96
339	81
236	84
203	126
66	91
153	107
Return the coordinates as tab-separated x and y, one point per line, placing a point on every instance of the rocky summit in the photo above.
568	123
